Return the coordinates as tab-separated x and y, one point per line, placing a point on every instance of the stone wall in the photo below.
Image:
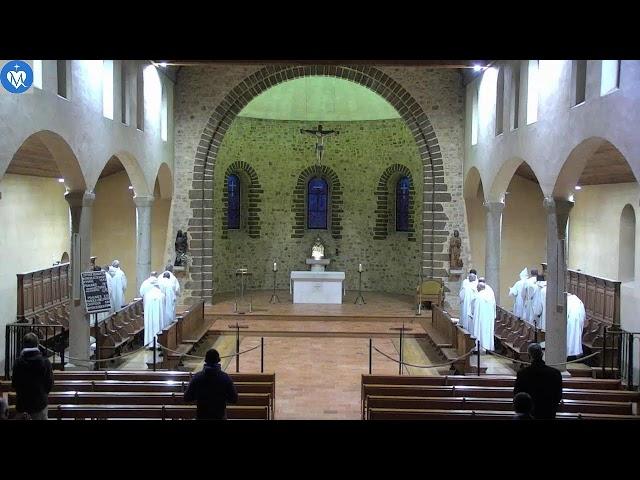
430	101
358	156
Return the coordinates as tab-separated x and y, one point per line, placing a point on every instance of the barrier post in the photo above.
154	354
261	354
370	354
604	353
400	363
237	348
478	346
630	362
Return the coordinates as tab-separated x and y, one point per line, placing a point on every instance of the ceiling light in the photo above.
477	68
578	187
130	187
61	180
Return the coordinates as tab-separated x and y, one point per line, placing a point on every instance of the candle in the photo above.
275	267
359	267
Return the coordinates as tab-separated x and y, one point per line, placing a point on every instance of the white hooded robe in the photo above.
146	285
466	295
119	283
516	290
484	316
153	312
575	323
539	305
528	293
168	290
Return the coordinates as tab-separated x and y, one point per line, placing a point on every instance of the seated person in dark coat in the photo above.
32	379
523	406
212	389
543	383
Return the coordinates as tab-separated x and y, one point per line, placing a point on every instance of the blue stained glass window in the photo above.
233	190
402	205
317	193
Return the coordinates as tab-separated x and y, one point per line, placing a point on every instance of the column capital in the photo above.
143	200
80	198
494	207
557	206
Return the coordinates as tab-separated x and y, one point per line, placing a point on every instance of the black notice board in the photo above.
96	291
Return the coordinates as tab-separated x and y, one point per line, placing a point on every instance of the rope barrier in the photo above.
202	358
128	354
493	352
437	365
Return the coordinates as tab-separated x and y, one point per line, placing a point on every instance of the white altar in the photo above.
317	287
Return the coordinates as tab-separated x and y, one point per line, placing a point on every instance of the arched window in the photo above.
402	204
317	193
233	189
627	253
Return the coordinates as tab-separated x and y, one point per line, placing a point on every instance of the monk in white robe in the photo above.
465	282
528	293
146	284
484	316
467	292
168	290
539	305
153	301
576	315
119	285
516	291
174	280
487	287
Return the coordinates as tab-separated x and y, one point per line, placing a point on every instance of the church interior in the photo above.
321	220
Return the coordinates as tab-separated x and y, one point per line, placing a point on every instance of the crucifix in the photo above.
319	134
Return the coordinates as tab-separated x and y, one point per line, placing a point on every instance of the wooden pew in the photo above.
117	333
183	335
155	412
450	340
416	414
488	392
143	398
486	380
498	404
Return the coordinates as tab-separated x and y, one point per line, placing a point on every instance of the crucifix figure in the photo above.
319	134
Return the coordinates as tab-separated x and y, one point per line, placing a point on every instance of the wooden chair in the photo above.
432	292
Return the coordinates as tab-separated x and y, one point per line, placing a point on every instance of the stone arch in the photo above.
165	181
503	179
135	173
575	163
251	198
64	157
388	178
472	182
299	201
408	108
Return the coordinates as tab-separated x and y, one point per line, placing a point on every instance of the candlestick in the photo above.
360	267
275	267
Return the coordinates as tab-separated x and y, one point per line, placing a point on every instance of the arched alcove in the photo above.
627	248
113	233
408	109
476	219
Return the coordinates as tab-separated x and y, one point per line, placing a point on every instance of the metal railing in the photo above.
620	354
54	340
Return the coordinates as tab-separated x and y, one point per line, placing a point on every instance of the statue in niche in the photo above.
455	249
317	252
181	245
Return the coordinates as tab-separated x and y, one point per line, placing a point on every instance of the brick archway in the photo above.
200	227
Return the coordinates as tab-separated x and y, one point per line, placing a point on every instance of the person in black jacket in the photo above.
543	383
523	406
212	389
32	379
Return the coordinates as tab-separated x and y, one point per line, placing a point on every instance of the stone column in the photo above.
492	246
556	306
143	239
80	206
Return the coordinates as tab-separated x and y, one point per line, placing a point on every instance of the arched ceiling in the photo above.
319	98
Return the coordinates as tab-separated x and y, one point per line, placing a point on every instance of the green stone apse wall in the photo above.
278	153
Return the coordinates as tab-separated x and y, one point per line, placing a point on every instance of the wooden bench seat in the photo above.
157	412
485	380
501	404
142	398
438	414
